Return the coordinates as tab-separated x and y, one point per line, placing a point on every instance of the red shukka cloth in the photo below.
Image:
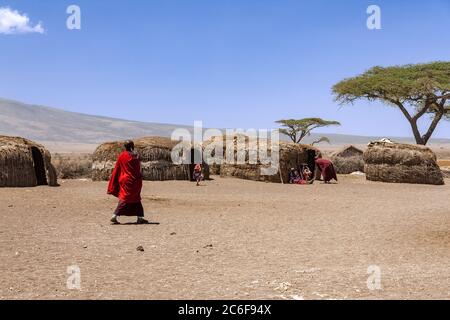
327	169
126	179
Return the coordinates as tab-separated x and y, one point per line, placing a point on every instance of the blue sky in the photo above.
235	64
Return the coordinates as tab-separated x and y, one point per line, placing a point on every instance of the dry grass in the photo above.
73	165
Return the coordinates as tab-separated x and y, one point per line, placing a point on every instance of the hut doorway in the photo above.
196	158
39	166
312	161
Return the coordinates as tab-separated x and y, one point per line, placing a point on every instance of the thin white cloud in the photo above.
12	22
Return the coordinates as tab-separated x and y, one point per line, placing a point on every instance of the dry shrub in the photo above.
73	165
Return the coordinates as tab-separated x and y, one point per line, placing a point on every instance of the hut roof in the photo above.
284	145
285	148
14	142
145	147
10	146
398	153
349	151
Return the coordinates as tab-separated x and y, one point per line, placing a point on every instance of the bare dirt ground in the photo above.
229	239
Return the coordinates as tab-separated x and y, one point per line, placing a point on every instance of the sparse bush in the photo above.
72	165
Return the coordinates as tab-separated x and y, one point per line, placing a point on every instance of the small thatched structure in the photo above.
291	155
348	160
155	153
24	163
401	163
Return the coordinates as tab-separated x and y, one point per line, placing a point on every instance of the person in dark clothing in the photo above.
294	176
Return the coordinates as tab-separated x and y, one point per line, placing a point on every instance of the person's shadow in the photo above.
138	224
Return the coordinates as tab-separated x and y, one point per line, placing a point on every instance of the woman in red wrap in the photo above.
126	184
326	168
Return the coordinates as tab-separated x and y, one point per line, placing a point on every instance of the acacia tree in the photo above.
299	129
417	90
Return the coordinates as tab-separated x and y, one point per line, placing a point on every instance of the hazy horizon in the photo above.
75	130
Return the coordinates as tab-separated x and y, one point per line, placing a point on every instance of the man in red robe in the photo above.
326	168
126	184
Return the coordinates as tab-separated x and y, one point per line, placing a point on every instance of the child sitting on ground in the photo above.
306	173
198	175
294	176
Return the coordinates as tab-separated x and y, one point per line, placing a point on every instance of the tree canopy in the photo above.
417	90
301	128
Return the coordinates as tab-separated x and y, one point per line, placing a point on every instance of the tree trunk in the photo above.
419	139
423	139
426	137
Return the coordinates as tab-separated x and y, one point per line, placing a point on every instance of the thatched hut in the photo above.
401	163
291	155
348	160
24	163
155	153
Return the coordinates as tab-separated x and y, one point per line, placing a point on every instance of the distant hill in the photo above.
49	124
63	131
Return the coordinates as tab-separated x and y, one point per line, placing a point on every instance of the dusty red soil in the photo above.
229	239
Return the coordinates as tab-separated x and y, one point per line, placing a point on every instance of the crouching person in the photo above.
126	184
326	168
